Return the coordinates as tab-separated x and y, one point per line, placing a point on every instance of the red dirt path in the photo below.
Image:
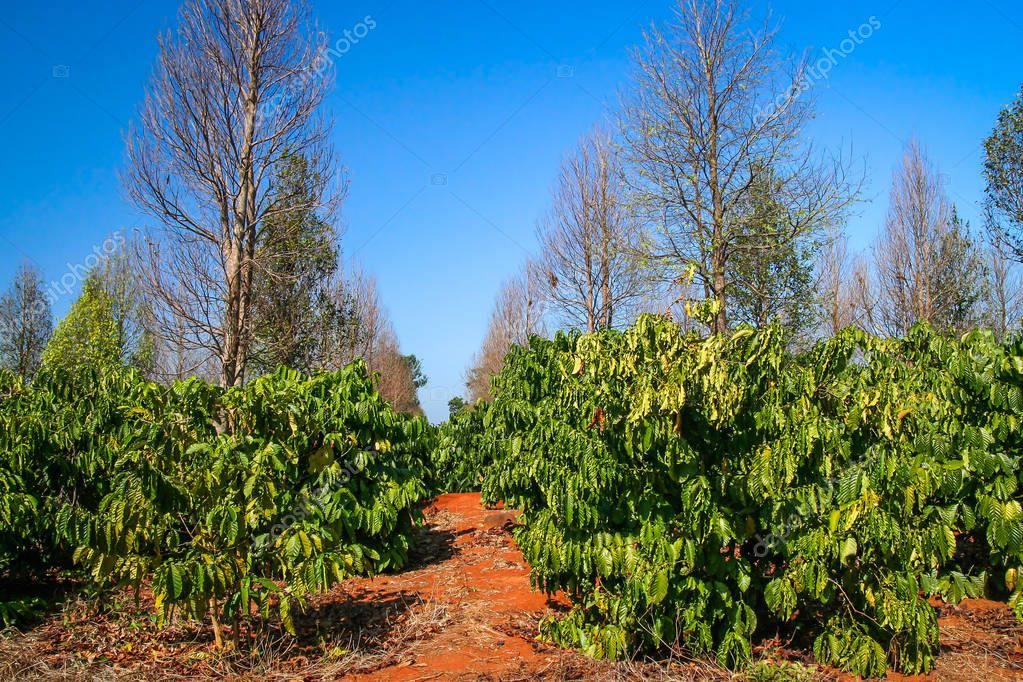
485	580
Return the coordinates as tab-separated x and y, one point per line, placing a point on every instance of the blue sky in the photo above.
452	118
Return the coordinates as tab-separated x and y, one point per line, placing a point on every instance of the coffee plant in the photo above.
229	504
463	451
19	509
53	451
696	491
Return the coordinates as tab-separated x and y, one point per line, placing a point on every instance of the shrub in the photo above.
462	453
227	502
692	491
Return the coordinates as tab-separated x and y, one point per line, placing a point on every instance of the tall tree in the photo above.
517	315
119	277
774	284
25	322
862	293
589	241
360	323
297	260
702	123
399	377
234	97
1003	170
415	367
88	336
770	280
838	291
928	266
362	329
456	405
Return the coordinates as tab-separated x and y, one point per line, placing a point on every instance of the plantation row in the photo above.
695	491
227	501
682	490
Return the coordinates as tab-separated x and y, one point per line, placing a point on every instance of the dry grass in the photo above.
979	644
273	655
397	638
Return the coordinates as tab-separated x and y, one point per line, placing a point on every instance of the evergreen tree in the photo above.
960	278
771	278
107	325
88	335
1003	170
25	323
293	292
456	405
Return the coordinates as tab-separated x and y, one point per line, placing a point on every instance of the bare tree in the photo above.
235	93
837	285
362	329
928	268
26	323
175	359
517	315
395	377
355	333
703	121
589	241
863	298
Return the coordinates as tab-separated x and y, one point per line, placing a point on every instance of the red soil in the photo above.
484	589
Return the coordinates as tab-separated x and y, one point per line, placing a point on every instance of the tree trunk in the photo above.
605	274
718	292
721	317
591	305
231	333
218	631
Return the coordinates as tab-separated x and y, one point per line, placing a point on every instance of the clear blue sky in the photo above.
488	94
